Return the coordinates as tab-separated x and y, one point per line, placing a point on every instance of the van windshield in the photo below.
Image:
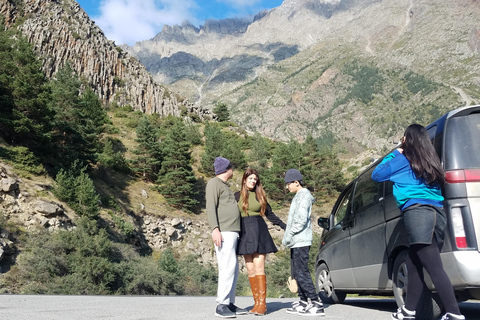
462	147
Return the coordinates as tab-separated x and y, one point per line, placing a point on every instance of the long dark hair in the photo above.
419	151
259	192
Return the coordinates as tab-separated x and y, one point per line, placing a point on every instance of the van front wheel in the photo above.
429	306
325	288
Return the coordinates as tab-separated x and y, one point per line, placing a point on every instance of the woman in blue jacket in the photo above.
417	176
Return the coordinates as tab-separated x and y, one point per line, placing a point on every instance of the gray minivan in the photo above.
363	247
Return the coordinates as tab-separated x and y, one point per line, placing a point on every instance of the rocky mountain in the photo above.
351	71
61	31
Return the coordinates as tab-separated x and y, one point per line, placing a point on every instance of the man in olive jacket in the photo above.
224	220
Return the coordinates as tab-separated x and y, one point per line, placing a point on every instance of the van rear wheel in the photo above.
429	307
325	288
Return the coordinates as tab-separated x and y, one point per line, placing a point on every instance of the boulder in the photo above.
8	184
48	209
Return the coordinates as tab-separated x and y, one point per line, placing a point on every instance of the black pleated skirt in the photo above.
254	237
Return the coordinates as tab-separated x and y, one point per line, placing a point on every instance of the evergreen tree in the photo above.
222	112
92	109
148	151
320	168
233	152
111	158
214	144
79	119
87	199
260	150
24	114
285	156
75	187
217	144
176	179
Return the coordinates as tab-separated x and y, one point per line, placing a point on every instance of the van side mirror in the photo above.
324	223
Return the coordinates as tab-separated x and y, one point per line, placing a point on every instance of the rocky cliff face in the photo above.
61	31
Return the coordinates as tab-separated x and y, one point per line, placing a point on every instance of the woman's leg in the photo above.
252	279
259	262
430	257
249	264
415	281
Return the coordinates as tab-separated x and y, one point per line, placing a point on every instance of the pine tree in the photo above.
79	118
233	152
24	114
285	156
222	112
75	187
260	151
176	179
321	170
214	144
148	151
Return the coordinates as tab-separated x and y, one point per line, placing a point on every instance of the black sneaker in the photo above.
297	306
403	314
237	310
223	311
314	308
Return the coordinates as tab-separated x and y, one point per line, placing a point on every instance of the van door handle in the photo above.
380	199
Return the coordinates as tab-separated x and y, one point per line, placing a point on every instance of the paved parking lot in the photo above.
42	307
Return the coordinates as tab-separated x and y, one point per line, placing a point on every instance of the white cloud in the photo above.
240	3
128	21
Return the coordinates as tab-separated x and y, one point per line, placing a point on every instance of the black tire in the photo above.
429	307
324	285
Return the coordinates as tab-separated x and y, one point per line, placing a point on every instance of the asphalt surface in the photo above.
43	307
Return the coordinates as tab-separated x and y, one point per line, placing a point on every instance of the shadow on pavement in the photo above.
277	306
376	304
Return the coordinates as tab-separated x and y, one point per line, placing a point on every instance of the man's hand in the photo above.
217	237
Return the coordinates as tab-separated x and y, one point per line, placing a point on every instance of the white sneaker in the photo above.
451	316
314	308
297	306
403	314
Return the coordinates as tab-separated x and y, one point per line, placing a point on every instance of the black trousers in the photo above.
299	265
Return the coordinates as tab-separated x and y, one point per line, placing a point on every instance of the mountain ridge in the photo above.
438	42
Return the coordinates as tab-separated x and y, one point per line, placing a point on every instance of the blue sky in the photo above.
129	21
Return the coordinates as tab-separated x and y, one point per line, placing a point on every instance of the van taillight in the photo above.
462	175
458	228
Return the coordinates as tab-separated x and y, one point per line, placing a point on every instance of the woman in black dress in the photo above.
255	240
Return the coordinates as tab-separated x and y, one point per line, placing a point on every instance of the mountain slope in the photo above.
291	71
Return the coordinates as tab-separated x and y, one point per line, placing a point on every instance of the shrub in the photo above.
25	160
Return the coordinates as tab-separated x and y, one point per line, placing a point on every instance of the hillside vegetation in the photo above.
96	160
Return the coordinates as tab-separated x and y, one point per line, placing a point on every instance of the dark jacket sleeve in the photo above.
272	217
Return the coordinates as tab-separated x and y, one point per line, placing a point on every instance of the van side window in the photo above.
388	188
344	207
367	192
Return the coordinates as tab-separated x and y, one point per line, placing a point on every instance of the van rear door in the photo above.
461	156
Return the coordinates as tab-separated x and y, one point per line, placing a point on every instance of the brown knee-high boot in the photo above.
262	295
254	286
